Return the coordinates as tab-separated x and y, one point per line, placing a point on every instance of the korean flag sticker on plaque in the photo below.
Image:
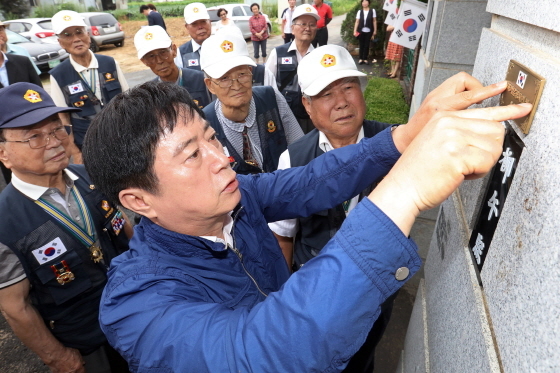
75	88
50	251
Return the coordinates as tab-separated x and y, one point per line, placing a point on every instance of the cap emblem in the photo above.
195	10
32	96
308	9
328	60
149	36
227	46
67	18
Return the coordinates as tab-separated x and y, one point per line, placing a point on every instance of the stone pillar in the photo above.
507	317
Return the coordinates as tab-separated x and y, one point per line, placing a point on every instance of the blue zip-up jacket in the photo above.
178	303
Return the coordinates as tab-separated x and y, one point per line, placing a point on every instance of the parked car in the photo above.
240	14
38	30
45	56
103	29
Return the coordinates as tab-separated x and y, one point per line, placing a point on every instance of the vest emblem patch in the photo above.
109	77
105	205
79	103
117	223
32	96
271	126
328	60
193	62
287	61
50	251
227	46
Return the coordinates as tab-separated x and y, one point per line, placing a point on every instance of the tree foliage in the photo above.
13	9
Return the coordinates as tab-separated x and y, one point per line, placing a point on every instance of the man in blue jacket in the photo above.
205	287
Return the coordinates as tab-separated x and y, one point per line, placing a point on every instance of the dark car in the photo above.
103	29
45	56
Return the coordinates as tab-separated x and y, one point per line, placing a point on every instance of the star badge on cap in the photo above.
227	46
328	60
67	18
195	10
32	96
308	9
149	36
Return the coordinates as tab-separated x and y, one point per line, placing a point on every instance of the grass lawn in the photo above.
385	101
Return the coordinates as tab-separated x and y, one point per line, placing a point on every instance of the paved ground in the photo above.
16	358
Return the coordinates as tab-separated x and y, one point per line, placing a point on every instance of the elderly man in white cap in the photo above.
331	85
284	60
85	80
255	125
197	23
157	51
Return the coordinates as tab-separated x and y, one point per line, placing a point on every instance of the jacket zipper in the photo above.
240	256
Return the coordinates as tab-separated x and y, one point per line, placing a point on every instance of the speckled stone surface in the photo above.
521	275
543	13
415	348
458	329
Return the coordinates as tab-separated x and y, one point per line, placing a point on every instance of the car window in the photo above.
47	25
248	10
14	38
237	12
213	15
102	20
16	27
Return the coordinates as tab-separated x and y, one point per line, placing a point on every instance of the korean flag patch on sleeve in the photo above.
50	251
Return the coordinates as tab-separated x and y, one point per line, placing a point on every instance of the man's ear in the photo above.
307	105
4	156
173	50
139	201
209	85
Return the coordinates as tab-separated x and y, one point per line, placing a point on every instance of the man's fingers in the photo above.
471	96
497	113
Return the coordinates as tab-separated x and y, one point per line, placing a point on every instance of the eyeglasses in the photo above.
242	78
151	58
40	140
306	25
68	35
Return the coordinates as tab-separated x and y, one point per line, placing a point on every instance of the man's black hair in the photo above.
120	144
143	7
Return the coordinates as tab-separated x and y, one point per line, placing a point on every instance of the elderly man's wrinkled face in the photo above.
48	158
160	61
75	40
199	30
304	28
3	37
339	109
240	90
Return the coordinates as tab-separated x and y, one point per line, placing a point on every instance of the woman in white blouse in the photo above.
224	20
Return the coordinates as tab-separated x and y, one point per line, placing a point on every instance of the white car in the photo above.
239	14
38	30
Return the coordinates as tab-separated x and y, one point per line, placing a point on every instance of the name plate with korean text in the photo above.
495	198
523	86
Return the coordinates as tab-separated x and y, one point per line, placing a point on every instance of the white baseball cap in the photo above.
64	19
150	38
305	10
222	52
323	66
194	12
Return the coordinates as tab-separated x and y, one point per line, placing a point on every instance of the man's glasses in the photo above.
306	25
40	140
151	58
69	35
242	78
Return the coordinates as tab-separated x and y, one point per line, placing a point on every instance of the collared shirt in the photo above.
89	74
289	227
11	270
179	59
325	12
288	14
4	72
272	61
233	129
226	231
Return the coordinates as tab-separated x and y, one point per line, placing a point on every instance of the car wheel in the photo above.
93	47
119	44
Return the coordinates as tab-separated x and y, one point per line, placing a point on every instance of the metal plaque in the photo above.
523	85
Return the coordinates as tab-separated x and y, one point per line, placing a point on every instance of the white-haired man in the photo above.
197	23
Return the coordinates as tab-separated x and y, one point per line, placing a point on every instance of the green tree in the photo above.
15	8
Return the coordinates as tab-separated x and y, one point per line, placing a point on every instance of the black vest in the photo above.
316	230
68	78
368	21
191	60
70	311
286	79
193	82
271	132
258	75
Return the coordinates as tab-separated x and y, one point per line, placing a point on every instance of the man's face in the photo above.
236	96
3	37
195	181
75	40
317	2
199	30
146	12
339	109
292	3
161	61
28	163
307	32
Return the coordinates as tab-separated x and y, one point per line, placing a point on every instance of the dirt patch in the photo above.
127	57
